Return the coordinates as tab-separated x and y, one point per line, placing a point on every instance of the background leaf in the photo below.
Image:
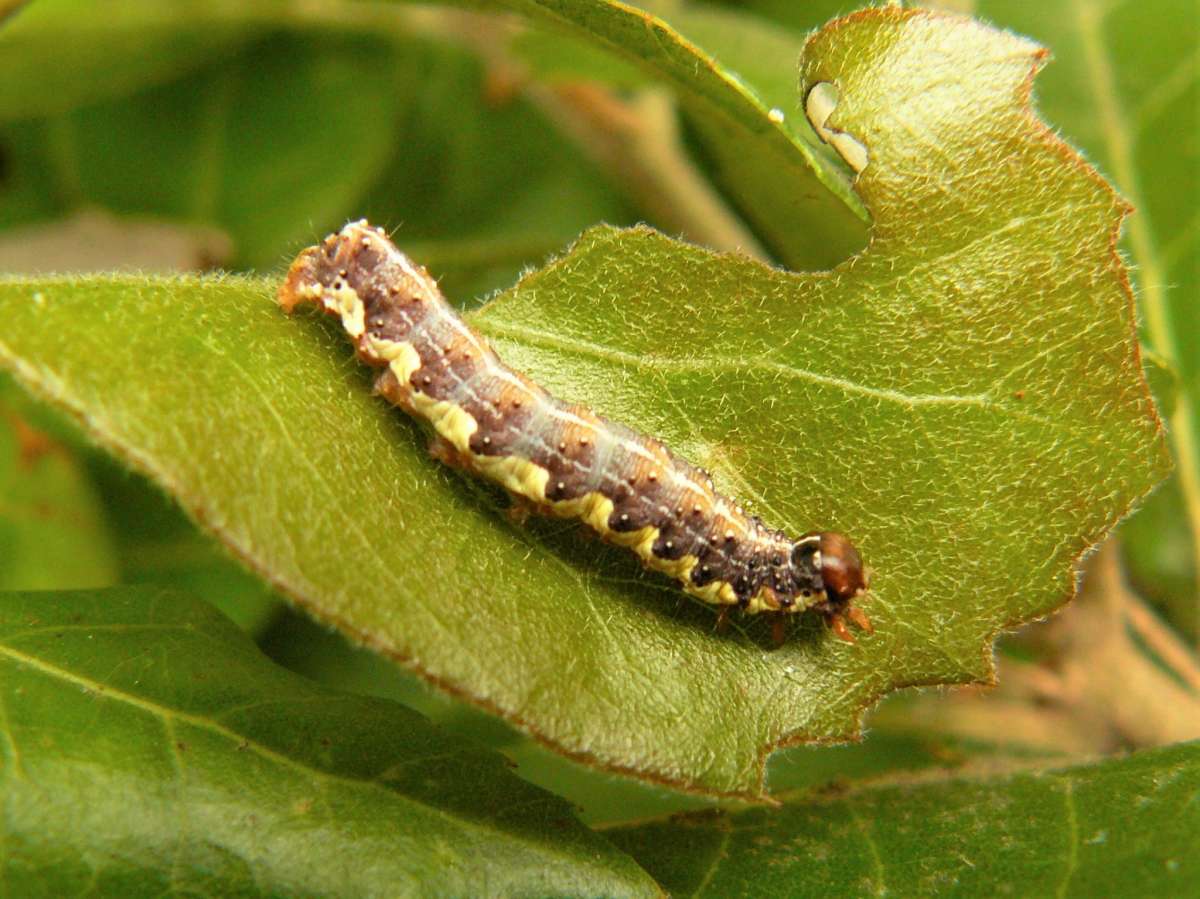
904	738
800	203
102	50
52	529
1000	466
241	141
147	746
1123	827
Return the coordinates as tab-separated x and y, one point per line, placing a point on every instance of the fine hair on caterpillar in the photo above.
562	459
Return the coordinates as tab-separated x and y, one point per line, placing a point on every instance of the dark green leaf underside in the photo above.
147	747
1119	828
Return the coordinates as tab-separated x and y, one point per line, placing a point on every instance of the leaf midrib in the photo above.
723	363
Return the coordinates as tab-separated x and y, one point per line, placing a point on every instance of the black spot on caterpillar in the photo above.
564	459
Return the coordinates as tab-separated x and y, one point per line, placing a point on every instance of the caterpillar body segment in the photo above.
562	458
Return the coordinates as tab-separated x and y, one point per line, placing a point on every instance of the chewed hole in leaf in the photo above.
822	99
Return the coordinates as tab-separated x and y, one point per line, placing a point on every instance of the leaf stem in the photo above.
639	142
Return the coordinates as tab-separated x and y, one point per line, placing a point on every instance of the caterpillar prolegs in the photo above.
564	459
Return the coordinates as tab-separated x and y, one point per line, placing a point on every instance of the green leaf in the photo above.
1126	87
964	399
787	188
52	530
147	747
1118	828
236	140
244	143
101	50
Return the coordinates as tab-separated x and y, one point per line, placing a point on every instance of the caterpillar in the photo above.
562	459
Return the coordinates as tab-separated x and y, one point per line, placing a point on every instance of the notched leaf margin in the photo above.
1089	544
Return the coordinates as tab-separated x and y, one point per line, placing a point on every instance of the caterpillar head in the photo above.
842	574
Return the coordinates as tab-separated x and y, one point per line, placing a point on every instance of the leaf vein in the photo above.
579	347
1072	836
9	742
872	847
718	856
206	724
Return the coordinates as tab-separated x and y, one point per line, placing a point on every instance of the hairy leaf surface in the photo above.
964	399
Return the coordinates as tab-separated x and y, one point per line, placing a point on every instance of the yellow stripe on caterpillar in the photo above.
448	419
399	355
519	476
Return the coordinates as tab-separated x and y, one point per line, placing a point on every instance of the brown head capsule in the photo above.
842	569
836	569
